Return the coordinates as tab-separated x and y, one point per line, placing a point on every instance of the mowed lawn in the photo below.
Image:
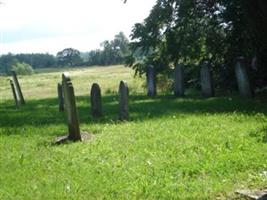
184	148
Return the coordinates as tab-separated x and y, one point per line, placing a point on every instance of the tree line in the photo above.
112	52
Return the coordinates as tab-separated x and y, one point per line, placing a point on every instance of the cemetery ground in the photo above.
171	148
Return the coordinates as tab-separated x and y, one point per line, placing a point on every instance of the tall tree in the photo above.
69	56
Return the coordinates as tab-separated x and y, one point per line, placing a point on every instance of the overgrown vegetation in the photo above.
190	148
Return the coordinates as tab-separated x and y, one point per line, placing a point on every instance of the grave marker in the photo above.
179	80
151	82
123	101
18	88
206	80
14	93
243	82
60	97
96	102
70	107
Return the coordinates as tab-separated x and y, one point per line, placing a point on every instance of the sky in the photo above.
49	26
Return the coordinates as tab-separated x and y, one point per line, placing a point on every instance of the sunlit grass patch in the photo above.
187	148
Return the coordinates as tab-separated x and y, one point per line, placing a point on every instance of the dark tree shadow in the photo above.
45	111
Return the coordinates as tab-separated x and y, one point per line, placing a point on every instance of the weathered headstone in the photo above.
151	82
206	80
179	80
60	97
14	93
18	88
242	78
96	101
70	107
123	101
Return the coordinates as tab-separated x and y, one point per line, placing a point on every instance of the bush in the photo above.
164	83
23	68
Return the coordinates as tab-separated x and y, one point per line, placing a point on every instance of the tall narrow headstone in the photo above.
70	107
179	80
18	88
206	80
60	97
96	101
242	78
123	101
14	93
151	82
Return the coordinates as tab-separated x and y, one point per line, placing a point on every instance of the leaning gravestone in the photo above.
151	82
18	88
206	80
179	80
60	97
242	78
96	102
70	107
14	93
123	101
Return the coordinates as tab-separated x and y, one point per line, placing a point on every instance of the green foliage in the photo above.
34	60
37	60
189	148
69	57
114	51
188	32
22	68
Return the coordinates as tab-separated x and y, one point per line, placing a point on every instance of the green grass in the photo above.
187	148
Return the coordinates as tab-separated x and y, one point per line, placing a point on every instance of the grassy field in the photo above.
186	148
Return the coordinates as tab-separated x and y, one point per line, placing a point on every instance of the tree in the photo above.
190	31
113	52
69	57
6	62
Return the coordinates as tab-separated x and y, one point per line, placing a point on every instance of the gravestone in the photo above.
60	97
96	101
123	101
243	82
206	80
14	93
18	88
179	80
70	108
151	82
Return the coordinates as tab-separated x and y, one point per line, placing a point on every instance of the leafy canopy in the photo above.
190	31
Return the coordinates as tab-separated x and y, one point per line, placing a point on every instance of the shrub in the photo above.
22	68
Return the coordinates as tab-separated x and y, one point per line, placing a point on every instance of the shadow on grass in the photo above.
45	111
260	134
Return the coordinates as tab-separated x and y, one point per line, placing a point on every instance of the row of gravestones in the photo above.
207	88
67	97
67	103
243	82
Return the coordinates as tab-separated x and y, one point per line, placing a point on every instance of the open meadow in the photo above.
171	148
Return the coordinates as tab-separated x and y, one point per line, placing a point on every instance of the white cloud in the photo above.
53	44
77	23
